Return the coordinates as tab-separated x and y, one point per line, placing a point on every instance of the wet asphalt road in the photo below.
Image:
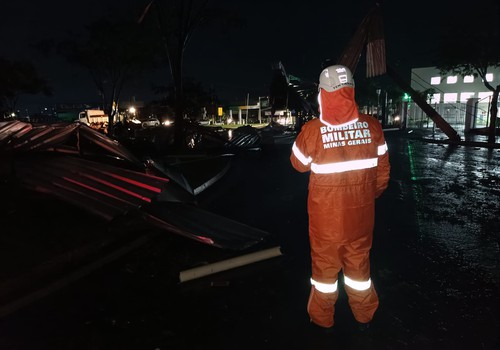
435	264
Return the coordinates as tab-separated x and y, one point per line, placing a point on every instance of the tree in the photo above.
177	20
113	53
469	46
18	78
197	100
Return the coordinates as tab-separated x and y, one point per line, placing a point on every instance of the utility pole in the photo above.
260	110
248	106
378	103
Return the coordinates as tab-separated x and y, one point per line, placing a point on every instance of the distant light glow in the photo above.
282	120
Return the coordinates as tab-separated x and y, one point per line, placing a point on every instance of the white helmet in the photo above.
335	77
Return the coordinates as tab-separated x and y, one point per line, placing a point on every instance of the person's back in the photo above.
346	153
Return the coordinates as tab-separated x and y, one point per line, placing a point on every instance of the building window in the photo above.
489	77
450	97
451	79
469	79
435	80
483	95
464	96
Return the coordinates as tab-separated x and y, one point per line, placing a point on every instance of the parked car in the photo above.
150	122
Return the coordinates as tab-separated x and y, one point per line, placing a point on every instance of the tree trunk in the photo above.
493	116
179	133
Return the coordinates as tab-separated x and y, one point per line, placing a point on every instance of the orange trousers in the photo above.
328	260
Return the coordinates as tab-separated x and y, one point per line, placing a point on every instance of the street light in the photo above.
131	112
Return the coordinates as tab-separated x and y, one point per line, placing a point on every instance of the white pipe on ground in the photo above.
224	265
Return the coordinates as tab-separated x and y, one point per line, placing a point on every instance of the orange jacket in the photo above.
346	153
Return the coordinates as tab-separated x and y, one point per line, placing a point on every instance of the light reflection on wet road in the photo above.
452	255
457	194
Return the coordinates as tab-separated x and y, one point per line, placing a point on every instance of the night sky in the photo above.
300	34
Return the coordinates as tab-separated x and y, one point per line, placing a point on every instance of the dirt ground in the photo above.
435	264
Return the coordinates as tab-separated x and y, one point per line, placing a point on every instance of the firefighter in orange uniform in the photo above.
346	154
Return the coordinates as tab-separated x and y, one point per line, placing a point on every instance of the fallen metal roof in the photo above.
85	168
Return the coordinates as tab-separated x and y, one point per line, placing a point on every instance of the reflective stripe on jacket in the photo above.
349	168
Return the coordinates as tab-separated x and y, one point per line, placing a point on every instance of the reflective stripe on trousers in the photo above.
325	287
332	287
358	285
